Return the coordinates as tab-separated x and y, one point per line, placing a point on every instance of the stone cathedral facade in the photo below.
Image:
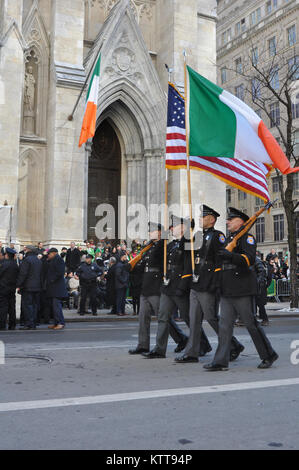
47	48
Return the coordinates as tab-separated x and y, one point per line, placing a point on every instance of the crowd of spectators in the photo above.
81	277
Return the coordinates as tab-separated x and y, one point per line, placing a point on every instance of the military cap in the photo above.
206	210
89	256
10	251
232	213
153	226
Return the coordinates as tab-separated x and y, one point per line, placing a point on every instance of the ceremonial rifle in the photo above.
137	258
247	226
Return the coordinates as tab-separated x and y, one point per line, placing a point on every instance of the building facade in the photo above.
47	49
261	33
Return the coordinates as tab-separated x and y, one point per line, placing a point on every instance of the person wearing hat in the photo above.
88	272
9	270
55	288
238	286
29	284
204	302
175	295
152	266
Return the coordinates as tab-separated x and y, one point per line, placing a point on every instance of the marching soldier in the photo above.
203	299
238	287
8	279
152	264
176	293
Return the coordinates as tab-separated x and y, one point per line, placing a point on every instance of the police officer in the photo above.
88	272
175	295
9	271
152	265
204	301
238	286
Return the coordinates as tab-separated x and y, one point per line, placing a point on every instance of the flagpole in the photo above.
166	210
188	166
71	116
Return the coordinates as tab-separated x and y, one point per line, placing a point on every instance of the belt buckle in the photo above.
146	269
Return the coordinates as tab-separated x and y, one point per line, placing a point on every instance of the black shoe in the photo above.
138	351
214	367
266	363
81	314
235	353
184	359
25	328
181	345
153	355
94	314
205	351
11	328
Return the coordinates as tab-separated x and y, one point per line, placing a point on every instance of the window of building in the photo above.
274	78
275	2
275	184
255	88
269	7
292	35
241	195
238	65
239	92
274	115
255	16
258	201
243	24
260	230
226	36
254	56
272	46
238	28
228	196
278	227
297	227
293	66
295	110
296	145
223	75
296	183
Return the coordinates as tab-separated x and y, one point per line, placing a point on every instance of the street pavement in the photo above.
80	389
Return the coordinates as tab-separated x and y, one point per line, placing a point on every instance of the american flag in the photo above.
248	176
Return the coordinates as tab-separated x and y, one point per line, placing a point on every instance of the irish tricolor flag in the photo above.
89	120
221	125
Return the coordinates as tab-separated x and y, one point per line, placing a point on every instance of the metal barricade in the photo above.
283	288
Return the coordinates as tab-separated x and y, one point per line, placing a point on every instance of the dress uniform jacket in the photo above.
206	260
9	270
177	259
152	264
238	278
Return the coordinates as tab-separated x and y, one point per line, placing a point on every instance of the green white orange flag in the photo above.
89	120
222	126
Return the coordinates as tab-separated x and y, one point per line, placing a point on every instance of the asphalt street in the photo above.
80	389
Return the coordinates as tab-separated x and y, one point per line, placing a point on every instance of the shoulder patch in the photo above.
222	238
250	240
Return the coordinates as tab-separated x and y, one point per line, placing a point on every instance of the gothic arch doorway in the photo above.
104	174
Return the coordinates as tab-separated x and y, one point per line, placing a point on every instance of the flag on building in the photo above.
247	176
89	119
223	126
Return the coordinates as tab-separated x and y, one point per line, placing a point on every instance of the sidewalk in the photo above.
274	310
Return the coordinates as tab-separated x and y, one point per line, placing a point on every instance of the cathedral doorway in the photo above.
104	175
